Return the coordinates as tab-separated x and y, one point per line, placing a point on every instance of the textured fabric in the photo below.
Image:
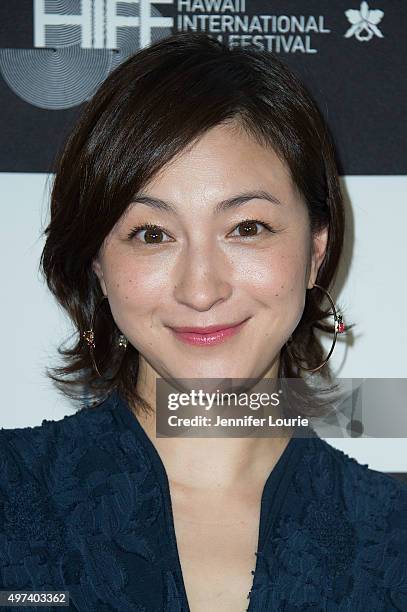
85	507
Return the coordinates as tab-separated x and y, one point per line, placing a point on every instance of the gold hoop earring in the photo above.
338	329
89	337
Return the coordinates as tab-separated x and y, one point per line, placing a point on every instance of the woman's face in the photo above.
204	268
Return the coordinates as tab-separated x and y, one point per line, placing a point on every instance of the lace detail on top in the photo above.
345	548
80	507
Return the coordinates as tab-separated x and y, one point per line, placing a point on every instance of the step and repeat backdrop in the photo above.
351	55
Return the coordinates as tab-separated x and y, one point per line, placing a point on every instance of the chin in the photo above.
212	372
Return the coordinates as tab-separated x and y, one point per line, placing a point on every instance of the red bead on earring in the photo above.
340	325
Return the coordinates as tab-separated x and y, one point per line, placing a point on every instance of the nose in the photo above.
203	278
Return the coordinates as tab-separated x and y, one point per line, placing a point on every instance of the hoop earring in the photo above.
339	329
89	337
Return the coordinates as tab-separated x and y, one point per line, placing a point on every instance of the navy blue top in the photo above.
85	507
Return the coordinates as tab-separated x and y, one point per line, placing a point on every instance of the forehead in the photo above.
223	162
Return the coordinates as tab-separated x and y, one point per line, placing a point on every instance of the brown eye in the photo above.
249	228
153	235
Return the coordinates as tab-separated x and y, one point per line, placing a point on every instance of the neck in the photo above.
214	464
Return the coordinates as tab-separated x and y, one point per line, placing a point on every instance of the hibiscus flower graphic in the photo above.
364	22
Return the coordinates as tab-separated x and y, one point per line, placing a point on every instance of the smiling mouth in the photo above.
209	338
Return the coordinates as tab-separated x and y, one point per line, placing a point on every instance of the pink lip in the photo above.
213	335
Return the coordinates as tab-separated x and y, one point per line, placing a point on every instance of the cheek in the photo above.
134	290
278	277
279	288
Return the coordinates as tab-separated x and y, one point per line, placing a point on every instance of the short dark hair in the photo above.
149	109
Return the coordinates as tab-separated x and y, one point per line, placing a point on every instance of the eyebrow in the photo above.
222	206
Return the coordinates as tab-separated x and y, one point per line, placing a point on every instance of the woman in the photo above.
198	189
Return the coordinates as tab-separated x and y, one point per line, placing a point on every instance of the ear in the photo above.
319	244
97	268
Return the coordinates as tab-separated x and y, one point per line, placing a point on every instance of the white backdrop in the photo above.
373	294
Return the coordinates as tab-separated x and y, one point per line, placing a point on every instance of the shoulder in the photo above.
345	525
358	516
29	447
365	496
67	488
360	483
41	455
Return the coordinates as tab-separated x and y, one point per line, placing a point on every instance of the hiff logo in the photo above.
364	22
74	52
